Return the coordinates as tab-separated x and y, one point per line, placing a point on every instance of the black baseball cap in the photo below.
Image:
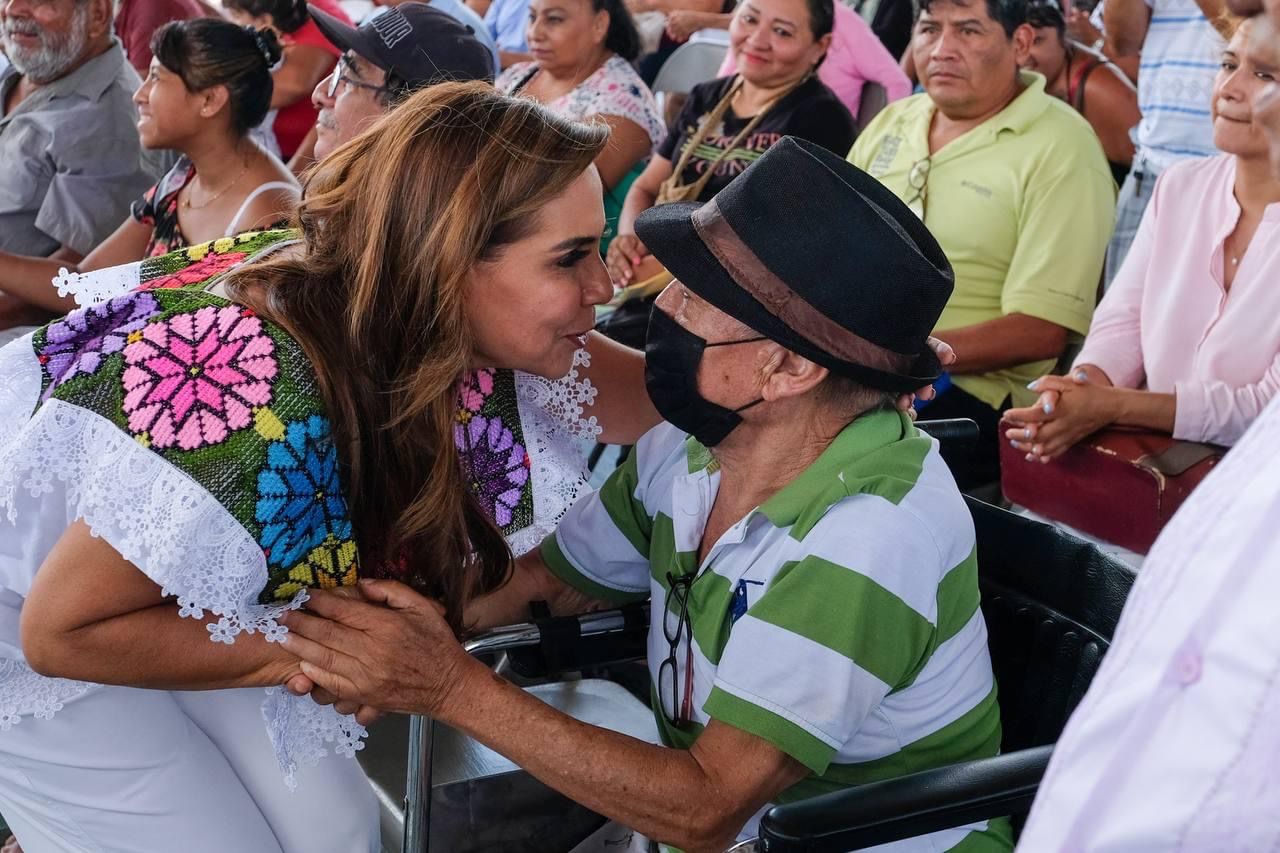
419	44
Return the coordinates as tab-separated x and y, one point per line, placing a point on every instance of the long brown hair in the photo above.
393	222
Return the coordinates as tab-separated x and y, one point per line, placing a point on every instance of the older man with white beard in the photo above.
68	135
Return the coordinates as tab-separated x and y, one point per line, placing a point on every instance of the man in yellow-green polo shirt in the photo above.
1014	185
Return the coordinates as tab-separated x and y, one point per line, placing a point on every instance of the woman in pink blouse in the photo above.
1187	339
856	57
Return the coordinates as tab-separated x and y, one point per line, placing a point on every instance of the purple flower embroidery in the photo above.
81	341
496	466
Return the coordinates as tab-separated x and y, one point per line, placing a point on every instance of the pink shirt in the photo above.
856	57
1174	746
1168	325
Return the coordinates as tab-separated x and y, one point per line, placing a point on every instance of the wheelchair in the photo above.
1051	604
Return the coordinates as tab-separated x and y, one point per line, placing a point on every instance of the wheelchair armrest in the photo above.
558	644
959	431
908	806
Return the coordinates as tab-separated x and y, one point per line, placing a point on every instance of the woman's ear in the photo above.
212	100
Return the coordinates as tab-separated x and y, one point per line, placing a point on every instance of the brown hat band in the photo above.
750	273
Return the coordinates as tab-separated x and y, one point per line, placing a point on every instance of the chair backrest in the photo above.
692	63
1051	602
873	99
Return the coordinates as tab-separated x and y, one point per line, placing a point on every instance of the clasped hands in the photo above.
1068	409
383	647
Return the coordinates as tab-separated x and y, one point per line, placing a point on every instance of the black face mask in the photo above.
672	354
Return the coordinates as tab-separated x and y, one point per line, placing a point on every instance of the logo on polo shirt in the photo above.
885	155
392	27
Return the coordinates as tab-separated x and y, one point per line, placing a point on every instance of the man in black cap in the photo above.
387	58
808	556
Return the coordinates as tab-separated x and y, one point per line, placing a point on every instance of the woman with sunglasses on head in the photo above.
1095	87
209	87
727	123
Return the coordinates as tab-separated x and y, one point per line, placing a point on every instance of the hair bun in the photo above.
268	45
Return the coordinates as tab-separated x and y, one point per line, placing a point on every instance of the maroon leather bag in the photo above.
1119	485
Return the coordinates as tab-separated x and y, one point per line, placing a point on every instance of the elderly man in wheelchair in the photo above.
810	561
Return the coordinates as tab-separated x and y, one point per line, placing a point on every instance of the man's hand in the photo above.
946	355
394	651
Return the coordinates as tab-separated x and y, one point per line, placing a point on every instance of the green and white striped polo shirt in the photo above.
859	649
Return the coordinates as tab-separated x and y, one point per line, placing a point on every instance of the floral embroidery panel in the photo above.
226	398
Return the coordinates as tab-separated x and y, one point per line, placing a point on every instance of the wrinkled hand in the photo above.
394	651
300	685
684	23
1068	410
626	252
947	356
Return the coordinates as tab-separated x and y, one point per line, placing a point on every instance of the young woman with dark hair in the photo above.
309	57
582	54
208	88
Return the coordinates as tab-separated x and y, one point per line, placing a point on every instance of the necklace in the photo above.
186	202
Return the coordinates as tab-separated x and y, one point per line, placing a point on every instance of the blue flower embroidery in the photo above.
300	499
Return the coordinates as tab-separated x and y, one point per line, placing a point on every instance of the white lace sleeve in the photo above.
90	288
559	436
160	520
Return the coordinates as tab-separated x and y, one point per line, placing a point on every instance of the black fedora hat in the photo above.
817	255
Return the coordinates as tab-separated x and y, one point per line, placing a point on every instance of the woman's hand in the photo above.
946	355
626	252
1068	410
684	23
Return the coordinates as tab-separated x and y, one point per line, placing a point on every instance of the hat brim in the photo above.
667	231
347	38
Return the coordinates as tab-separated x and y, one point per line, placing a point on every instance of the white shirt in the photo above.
1175	745
1180	57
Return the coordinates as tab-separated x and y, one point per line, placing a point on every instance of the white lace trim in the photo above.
557	439
186	542
90	288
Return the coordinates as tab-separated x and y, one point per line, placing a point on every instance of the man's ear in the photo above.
792	376
1023	38
101	19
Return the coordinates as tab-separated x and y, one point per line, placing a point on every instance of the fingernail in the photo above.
1026	433
1082	376
366	581
1015	445
1048	409
1031	386
1031	457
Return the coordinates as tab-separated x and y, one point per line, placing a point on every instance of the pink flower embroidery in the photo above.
206	268
195	378
474	389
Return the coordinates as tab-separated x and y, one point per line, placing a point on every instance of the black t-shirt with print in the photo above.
811	111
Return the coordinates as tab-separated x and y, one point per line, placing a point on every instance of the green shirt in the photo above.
839	620
1023	205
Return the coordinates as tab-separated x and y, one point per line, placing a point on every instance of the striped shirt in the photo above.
839	620
1180	57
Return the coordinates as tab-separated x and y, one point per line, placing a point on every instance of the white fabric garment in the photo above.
152	771
1175	745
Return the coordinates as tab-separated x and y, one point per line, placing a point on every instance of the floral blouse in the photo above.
189	433
158	208
614	89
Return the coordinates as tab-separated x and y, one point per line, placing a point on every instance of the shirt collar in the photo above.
1018	115
839	471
